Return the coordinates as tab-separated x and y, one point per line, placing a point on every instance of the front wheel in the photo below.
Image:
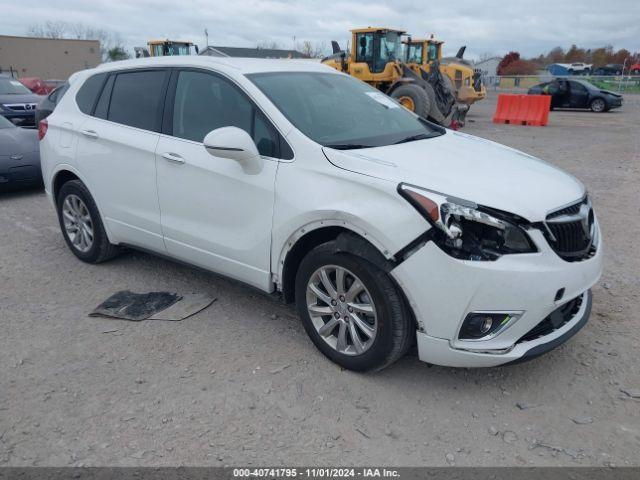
413	98
598	105
351	310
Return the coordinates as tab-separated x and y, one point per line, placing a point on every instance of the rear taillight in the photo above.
42	128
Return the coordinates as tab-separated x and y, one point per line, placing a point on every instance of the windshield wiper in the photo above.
413	138
347	146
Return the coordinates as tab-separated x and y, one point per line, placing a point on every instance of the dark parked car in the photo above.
19	157
577	94
48	103
609	69
17	102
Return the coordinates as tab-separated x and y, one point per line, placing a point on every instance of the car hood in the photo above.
21	98
469	168
18	141
609	92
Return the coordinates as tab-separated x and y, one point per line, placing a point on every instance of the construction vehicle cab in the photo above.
465	81
377	58
166	48
373	58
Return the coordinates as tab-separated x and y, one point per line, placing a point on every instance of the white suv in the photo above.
384	229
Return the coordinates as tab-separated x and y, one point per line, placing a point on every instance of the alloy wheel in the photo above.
342	310
77	223
598	105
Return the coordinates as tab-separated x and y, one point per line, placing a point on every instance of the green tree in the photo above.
117	53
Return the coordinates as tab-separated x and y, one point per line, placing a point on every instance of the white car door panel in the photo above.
116	151
214	214
119	162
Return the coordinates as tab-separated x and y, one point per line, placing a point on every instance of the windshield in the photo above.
414	53
339	111
432	52
390	47
10	86
170	49
4	123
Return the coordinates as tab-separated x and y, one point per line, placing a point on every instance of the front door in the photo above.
213	213
579	96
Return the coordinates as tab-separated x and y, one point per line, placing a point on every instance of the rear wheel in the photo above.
413	98
81	224
598	105
351	310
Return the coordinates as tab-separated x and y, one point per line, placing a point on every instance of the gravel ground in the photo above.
240	383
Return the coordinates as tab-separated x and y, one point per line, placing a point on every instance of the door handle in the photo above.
90	133
173	157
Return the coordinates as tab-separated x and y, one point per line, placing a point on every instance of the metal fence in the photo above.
521	83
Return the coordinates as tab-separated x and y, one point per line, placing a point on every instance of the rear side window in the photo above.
58	93
136	99
89	91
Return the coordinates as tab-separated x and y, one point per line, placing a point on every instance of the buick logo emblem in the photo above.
582	216
585	208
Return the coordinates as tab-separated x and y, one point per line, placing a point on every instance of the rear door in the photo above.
116	153
214	214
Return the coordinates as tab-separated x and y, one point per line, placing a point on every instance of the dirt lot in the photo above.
240	383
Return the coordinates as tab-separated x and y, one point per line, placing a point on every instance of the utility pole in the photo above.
206	35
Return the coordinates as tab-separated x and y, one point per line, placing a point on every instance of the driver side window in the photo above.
204	102
364	52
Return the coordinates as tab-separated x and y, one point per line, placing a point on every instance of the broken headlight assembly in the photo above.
465	230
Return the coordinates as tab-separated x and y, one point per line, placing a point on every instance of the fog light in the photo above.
485	325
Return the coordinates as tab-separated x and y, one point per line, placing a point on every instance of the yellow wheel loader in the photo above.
166	48
465	81
377	58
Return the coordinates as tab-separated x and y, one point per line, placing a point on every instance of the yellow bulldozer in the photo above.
465	81
377	58
166	48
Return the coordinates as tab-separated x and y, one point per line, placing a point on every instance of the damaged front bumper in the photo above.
443	290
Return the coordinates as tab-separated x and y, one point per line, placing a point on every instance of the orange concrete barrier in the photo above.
522	109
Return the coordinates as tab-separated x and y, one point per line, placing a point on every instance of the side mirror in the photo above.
235	144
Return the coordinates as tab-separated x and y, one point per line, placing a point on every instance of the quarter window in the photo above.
88	93
102	106
136	99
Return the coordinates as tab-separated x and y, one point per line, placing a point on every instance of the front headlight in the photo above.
464	230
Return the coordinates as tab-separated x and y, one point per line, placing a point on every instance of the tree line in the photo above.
111	44
513	64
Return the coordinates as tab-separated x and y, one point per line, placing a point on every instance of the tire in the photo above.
392	326
414	95
598	105
77	211
445	121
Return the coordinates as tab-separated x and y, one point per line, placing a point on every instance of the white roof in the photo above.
241	65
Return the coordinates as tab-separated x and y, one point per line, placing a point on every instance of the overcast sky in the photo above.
489	26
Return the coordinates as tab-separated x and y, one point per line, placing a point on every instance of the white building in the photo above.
489	69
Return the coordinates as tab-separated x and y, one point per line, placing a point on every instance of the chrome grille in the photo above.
21	107
571	230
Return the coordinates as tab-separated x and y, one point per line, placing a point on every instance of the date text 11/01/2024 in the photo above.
316	472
